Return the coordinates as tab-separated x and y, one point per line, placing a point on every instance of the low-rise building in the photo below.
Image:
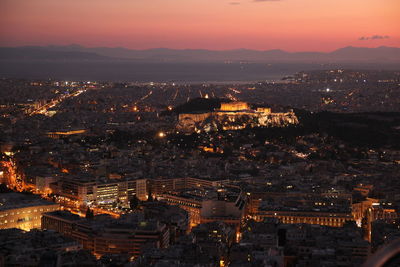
33	248
23	211
103	235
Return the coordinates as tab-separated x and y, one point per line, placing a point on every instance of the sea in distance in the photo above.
128	71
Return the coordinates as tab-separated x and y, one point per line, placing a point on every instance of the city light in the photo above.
205	167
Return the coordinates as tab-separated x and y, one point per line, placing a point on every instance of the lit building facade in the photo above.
23	211
160	186
205	206
333	219
101	193
191	205
104	235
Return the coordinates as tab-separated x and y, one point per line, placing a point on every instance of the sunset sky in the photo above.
292	25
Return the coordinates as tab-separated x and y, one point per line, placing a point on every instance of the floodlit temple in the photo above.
234	116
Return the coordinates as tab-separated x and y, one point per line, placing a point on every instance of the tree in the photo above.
89	214
4	189
150	198
134	203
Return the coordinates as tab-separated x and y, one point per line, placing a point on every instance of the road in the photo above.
11	175
44	109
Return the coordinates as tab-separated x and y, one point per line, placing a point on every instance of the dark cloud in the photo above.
373	37
234	3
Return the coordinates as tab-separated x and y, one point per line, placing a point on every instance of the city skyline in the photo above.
302	25
207	133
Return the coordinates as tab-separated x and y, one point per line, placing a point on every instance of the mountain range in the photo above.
382	54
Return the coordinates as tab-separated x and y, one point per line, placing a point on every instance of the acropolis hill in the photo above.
234	116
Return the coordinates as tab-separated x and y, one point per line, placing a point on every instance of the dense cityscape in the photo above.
301	171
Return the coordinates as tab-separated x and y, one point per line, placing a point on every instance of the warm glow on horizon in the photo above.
293	25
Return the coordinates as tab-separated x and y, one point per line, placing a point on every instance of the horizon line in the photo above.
194	49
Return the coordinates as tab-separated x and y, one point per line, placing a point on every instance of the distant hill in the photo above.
43	54
76	52
382	53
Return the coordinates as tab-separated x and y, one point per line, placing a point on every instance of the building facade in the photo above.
23	211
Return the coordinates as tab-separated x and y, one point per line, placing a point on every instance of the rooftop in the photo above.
20	200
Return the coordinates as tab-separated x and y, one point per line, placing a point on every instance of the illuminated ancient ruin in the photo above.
234	116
